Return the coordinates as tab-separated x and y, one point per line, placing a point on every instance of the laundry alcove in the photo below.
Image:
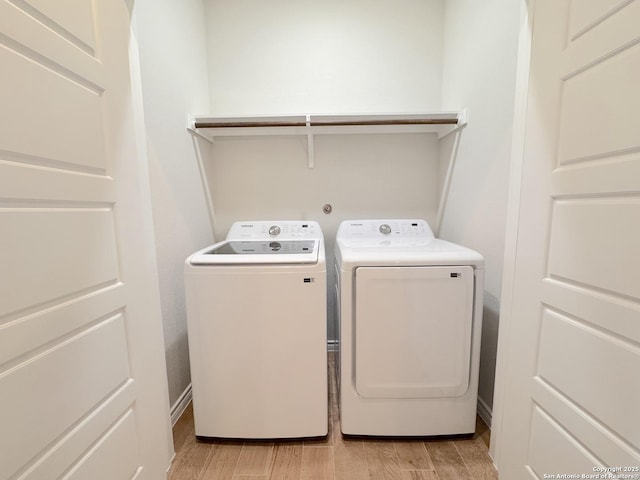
301	63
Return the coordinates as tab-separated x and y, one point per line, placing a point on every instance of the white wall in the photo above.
480	50
301	56
306	56
171	38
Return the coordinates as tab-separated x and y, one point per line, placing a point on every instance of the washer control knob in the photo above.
385	229
274	230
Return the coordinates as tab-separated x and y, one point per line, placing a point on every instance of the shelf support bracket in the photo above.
444	194
310	151
191	127
463	119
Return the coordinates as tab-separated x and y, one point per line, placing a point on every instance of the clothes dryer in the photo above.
410	310
256	314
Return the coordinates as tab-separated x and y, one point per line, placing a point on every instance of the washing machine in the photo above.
409	321
256	317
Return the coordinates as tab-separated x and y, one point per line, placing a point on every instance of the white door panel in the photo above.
563	366
49	91
604	126
82	375
72	19
68	452
594	243
607	311
570	353
42	244
107	459
413	331
50	46
53	390
547	439
37	182
586	14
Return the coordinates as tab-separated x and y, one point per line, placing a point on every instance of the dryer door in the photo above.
413	331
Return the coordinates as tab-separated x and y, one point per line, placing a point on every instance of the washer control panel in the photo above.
274	229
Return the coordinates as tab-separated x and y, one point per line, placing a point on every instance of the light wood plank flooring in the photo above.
332	458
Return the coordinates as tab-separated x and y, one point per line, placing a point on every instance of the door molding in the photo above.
512	222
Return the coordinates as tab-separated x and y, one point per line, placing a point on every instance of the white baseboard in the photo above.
178	408
484	411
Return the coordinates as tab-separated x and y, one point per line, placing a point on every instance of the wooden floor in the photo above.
333	458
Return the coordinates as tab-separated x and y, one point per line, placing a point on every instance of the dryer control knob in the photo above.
385	229
274	230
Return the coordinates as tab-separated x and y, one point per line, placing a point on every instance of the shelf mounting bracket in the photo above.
311	161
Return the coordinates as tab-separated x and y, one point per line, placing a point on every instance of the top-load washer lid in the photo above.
274	229
256	252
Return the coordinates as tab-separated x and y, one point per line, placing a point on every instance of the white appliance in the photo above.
257	328
409	314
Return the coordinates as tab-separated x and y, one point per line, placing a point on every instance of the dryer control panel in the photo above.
396	231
